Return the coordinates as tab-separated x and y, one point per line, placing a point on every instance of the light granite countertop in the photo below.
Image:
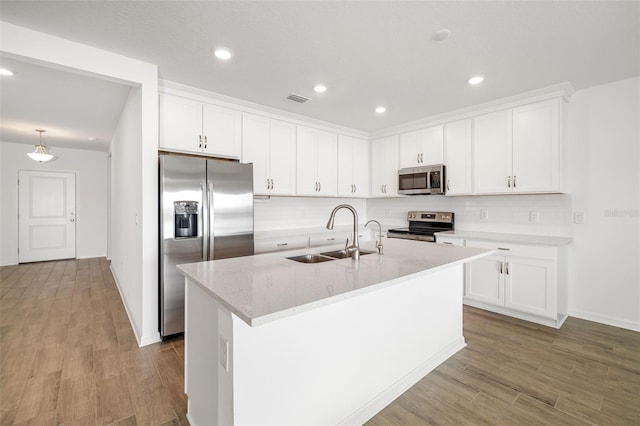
266	287
538	240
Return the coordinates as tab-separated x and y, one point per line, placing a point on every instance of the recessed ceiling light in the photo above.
223	53
4	71
441	35
476	80
381	110
320	88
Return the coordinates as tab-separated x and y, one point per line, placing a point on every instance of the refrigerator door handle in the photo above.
205	220
210	219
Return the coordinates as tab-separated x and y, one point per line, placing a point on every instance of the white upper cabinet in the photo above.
353	167
384	167
422	147
270	146
316	162
492	144
188	125
518	150
457	157
536	147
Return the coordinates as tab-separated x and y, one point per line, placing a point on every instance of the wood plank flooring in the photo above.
68	356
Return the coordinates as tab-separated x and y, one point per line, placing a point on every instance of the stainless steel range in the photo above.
422	226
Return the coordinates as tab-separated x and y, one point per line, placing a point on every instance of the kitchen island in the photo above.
272	341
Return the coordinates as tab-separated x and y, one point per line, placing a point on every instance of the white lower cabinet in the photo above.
519	280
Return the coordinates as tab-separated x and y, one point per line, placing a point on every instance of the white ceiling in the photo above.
71	108
367	53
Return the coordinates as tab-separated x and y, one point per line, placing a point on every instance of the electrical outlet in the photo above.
578	218
484	214
534	216
224	353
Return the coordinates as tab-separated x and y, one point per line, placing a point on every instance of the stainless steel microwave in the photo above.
422	180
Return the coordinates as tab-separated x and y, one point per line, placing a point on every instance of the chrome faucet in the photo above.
379	243
354	248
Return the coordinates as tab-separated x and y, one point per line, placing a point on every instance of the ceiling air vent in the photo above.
298	98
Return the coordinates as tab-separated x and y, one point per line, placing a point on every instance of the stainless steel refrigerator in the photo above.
206	213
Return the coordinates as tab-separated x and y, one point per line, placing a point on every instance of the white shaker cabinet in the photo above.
353	167
536	147
316	162
188	125
270	146
457	157
422	147
492	145
517	279
384	167
518	150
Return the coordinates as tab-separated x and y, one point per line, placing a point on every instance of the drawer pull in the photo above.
331	239
503	248
282	244
447	242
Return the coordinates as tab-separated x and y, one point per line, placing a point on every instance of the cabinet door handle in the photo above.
205	142
320	186
507	268
509	182
200	142
417	158
448	185
501	267
355	188
421	157
514	181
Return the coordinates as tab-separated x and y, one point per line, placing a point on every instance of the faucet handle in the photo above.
346	244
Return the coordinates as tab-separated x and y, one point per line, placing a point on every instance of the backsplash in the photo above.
303	212
506	213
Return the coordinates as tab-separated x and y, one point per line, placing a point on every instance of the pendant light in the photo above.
40	154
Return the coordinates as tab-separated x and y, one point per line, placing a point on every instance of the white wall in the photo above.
125	230
90	168
26	44
603	162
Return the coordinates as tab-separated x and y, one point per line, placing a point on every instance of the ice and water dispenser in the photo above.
186	219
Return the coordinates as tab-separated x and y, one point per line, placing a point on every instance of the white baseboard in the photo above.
374	406
604	319
143	340
557	323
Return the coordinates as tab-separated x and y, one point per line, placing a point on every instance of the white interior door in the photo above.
46	216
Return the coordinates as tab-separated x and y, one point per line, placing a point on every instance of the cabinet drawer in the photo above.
449	241
510	249
280	244
328	238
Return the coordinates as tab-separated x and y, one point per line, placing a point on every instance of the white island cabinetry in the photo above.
259	329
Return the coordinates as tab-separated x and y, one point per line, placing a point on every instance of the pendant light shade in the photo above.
40	154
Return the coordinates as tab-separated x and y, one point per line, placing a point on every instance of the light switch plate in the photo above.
579	218
484	214
534	216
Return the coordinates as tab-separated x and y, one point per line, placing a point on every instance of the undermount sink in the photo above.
325	256
311	258
342	254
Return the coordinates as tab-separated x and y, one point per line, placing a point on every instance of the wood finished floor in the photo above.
68	356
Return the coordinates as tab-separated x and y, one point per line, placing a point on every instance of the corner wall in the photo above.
90	168
603	176
29	45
